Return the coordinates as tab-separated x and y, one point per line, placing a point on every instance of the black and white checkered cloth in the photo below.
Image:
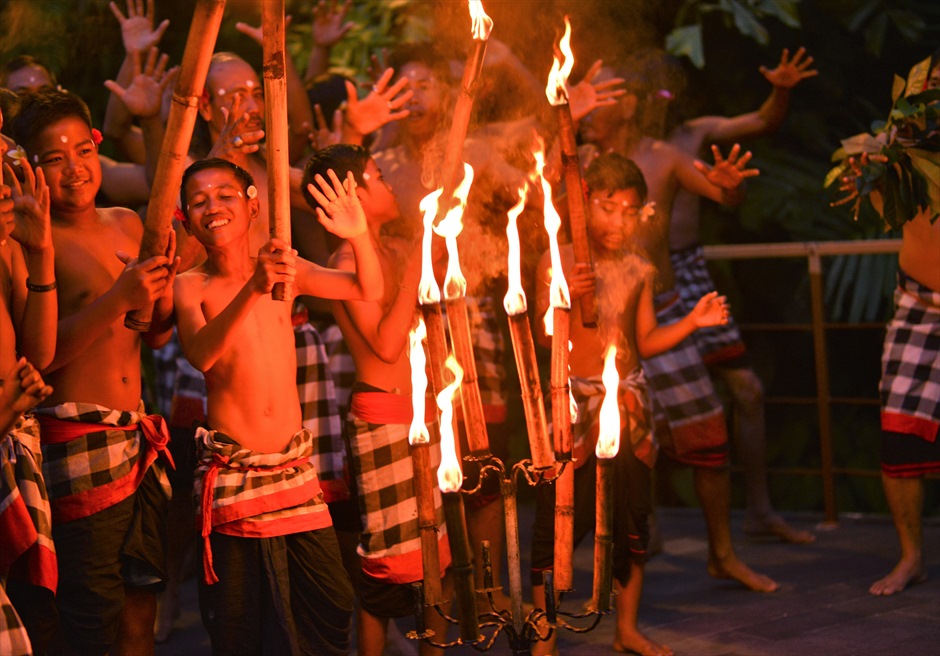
14	640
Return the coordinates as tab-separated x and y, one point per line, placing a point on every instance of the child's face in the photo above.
612	218
69	158
377	198
219	211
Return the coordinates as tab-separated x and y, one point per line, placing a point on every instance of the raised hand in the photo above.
381	106
728	173
790	72
587	95
137	26
377	66
711	310
23	388
235	140
142	283
144	96
328	27
32	225
324	135
276	263
339	210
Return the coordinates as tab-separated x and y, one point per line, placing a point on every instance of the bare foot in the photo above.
774	525
733	568
634	642
904	573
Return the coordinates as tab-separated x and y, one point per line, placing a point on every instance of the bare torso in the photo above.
7	333
685	219
920	251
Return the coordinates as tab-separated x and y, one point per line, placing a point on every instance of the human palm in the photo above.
137	30
32	226
711	310
329	22
730	172
339	209
790	72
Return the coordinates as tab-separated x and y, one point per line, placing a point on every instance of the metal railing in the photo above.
813	252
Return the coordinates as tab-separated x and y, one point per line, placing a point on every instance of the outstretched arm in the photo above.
653	339
328	28
722	183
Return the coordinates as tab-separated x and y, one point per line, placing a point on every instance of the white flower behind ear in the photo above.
647	211
18	155
252	191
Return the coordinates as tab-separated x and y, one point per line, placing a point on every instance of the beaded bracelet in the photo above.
40	288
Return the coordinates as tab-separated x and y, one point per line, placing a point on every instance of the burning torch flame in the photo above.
455	285
428	291
557	88
608	441
514	301
449	476
558	294
418	433
482	24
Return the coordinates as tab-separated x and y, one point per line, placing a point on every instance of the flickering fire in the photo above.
418	433
455	285
449	475
558	292
557	88
482	24
514	301
428	290
608	440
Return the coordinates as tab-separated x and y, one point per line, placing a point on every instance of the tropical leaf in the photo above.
686	41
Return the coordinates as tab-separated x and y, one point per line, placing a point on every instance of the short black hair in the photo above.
40	110
342	158
424	52
22	61
612	172
243	176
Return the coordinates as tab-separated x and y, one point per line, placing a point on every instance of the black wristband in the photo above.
40	288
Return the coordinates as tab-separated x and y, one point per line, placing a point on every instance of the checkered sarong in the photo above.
390	543
717	344
26	548
688	416
320	412
342	366
14	641
634	406
95	457
489	350
249	494
910	362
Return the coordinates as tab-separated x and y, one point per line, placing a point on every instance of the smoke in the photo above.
618	286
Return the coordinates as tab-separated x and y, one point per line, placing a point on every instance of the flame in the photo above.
558	293
573	405
514	301
428	291
455	285
608	441
418	433
449	476
482	24
557	87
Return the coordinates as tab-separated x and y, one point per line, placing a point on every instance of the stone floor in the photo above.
822	607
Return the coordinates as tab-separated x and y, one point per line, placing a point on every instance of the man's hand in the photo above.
581	281
339	210
32	226
144	96
381	106
728	173
790	72
711	310
142	283
586	96
23	388
328	27
276	263
137	27
324	135
235	141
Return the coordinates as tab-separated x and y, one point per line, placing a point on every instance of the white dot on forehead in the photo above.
249	83
221	92
36	158
63	139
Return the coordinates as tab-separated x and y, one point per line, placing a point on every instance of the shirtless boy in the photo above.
272	570
623	283
380	410
108	513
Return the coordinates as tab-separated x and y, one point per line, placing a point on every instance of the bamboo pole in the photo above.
200	43
275	117
536	424
564	529
427	522
603	536
561	393
471	403
461	566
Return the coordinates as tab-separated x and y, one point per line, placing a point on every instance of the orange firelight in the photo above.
418	433
449	475
557	88
455	285
482	24
514	301
608	440
428	290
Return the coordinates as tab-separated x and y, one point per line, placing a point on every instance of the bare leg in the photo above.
179	543
548	647
628	637
435	622
486	523
370	633
750	443
135	627
906	500
713	489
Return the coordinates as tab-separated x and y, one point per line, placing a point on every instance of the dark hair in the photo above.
10	106
40	110
243	176
657	79
342	158
23	61
422	53
612	172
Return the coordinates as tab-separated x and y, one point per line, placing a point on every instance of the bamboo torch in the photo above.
419	440
275	128
179	131
458	320
608	444
449	479
556	91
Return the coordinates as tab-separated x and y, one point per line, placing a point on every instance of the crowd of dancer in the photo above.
276	448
